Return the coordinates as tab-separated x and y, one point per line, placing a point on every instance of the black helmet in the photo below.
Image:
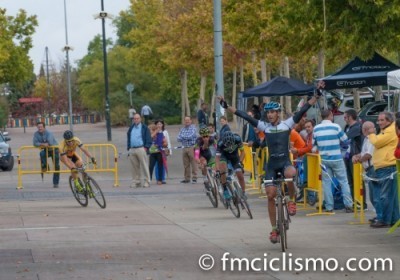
228	139
204	131
68	135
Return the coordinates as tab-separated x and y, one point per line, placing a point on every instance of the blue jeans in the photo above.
385	195
55	156
337	169
371	174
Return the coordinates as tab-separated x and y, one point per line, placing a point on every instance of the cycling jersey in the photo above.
208	153
69	149
231	154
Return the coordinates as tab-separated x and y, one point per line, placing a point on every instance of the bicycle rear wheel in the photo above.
95	191
212	193
280	223
243	202
234	201
81	197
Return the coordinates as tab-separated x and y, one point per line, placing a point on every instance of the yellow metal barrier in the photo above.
248	165
106	156
359	192
314	183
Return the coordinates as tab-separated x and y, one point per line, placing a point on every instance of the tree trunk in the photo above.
254	72
203	83
182	75
234	95
356	100
264	76
288	99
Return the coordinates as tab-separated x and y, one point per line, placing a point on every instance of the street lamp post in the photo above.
67	48
103	16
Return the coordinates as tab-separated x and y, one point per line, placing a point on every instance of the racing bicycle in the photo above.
88	188
237	196
282	214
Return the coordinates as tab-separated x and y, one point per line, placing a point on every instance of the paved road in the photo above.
160	232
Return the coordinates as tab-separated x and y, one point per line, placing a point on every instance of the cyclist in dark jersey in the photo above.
277	135
228	152
204	152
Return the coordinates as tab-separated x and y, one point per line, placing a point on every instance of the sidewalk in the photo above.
160	232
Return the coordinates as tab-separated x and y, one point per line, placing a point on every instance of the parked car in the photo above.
6	157
371	111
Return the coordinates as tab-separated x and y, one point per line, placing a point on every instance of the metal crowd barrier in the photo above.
106	156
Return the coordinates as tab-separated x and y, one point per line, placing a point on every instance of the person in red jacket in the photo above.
397	151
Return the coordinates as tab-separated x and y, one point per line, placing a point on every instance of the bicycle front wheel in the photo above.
281	223
95	192
212	193
243	202
81	197
234	201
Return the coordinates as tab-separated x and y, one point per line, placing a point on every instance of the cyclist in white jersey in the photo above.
277	135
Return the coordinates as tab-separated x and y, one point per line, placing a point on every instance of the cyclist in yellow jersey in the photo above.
70	158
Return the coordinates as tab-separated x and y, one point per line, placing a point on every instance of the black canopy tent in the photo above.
280	86
359	73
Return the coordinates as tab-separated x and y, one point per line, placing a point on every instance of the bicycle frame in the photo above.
282	215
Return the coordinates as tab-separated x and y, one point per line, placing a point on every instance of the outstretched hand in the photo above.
222	102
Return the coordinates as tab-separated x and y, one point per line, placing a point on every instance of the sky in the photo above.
81	26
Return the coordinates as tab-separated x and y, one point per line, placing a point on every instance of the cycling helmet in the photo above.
204	131
68	135
228	139
272	106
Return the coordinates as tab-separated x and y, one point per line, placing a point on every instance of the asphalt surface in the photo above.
161	232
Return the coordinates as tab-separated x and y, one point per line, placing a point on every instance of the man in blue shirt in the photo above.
139	142
44	140
188	136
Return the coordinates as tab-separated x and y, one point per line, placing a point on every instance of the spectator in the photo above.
365	158
397	151
146	113
167	152
157	150
309	128
202	117
44	139
354	133
256	111
211	128
385	189
248	134
249	137
296	142
326	138
131	113
224	126
139	142
187	136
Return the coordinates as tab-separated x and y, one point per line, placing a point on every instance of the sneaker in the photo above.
55	186
135	185
274	236
328	211
348	209
379	224
292	208
78	186
373	220
227	195
185	181
194	181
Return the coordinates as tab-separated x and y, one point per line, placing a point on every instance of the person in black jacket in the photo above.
202	117
139	142
353	130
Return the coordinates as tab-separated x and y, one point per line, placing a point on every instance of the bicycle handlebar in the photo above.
272	181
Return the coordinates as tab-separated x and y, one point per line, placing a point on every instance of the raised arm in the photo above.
237	112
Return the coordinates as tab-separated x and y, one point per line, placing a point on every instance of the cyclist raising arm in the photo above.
277	134
228	151
69	156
